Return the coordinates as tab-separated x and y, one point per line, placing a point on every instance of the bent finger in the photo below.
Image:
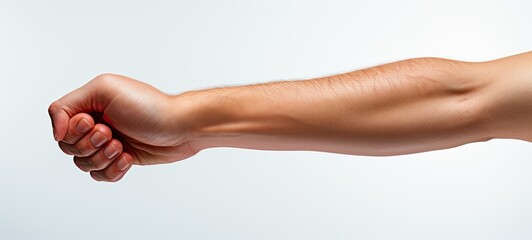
90	143
79	125
115	171
101	159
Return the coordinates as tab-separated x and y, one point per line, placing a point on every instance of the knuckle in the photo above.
104	78
84	154
69	139
75	151
96	176
100	163
79	152
82	165
103	175
67	149
116	178
83	148
55	105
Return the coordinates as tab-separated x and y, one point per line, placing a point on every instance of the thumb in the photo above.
84	99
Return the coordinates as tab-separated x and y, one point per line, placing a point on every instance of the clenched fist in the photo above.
113	122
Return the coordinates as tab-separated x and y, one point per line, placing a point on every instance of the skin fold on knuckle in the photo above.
68	149
97	175
117	177
82	164
100	163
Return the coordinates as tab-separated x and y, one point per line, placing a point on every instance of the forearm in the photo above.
399	108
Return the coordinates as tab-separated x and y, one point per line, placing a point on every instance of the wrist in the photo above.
207	117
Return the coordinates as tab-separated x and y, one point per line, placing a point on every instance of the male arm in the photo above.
404	107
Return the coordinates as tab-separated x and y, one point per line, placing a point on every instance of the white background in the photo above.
48	48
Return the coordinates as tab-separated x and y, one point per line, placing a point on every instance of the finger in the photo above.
101	159
59	119
78	126
90	143
115	171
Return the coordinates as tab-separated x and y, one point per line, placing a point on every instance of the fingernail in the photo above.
122	164
83	126
110	151
97	139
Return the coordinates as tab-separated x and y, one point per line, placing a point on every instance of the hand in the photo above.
113	122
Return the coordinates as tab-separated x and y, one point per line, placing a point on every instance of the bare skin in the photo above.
410	106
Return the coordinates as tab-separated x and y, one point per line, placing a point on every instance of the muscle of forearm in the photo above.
404	107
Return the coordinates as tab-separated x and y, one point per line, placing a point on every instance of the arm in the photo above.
399	108
404	107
